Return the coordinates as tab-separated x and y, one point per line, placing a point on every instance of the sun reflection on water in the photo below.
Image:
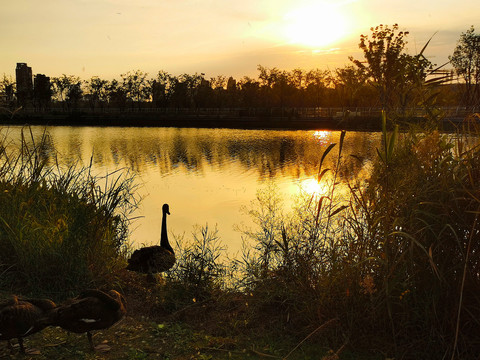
313	187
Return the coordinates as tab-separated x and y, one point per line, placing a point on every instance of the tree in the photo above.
67	89
382	52
96	91
74	94
396	75
466	61
135	86
316	84
349	82
116	94
7	88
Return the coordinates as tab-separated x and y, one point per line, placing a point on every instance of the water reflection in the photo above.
206	174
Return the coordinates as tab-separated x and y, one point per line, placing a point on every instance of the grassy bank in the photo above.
386	268
61	227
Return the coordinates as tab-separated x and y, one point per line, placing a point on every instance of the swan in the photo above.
22	317
154	259
91	310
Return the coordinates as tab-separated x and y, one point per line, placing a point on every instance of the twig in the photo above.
256	352
309	335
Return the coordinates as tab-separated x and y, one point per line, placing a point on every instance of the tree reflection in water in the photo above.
206	174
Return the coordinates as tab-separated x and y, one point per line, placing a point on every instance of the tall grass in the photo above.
61	228
397	263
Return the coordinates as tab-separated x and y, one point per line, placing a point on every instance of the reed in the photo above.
396	263
61	227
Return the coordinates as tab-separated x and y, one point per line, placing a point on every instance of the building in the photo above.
42	91
23	75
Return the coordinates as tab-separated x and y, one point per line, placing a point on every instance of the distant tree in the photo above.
7	88
136	86
232	100
316	87
276	87
96	91
466	61
188	85
249	92
349	82
74	94
67	89
116	95
161	88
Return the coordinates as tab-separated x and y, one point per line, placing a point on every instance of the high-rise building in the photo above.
42	91
23	75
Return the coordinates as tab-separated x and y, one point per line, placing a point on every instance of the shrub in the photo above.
199	272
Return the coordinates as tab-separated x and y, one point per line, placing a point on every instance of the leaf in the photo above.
337	210
320	176
325	153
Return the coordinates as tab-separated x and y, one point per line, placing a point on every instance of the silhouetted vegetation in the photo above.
386	266
466	61
387	77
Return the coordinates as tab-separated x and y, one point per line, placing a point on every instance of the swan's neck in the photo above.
164	236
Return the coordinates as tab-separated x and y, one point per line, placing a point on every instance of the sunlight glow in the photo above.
313	187
315	25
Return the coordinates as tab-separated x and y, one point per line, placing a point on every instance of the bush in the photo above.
61	229
199	272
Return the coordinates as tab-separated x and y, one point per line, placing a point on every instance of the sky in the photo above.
107	38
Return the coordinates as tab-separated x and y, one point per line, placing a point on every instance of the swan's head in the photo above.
166	209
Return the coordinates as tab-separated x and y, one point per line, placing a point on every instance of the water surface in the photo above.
206	175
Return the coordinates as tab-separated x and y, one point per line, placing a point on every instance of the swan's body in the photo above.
22	317
91	310
154	259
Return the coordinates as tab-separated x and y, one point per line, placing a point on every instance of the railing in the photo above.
457	112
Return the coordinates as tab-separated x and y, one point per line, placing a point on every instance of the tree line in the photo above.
386	77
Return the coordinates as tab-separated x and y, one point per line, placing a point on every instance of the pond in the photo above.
206	175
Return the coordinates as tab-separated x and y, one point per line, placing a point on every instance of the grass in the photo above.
51	213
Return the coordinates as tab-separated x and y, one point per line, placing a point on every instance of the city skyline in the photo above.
107	38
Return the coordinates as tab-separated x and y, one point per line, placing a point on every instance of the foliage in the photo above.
96	91
67	88
199	272
61	229
7	87
466	61
395	74
135	87
382	262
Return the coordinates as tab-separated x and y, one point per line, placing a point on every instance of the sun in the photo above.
315	25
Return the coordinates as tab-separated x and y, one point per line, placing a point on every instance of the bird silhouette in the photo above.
154	259
91	310
22	317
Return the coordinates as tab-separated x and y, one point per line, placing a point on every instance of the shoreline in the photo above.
153	119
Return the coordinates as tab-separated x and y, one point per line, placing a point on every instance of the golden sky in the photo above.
216	37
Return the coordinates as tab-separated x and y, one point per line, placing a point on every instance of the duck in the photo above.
154	259
91	310
21	317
